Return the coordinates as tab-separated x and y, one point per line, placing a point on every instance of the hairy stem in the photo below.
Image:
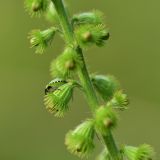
83	73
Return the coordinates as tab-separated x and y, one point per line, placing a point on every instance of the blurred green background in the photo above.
27	131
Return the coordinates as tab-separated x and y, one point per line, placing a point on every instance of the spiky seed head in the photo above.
120	100
106	86
66	64
94	17
143	152
88	35
105	119
36	7
57	100
80	141
41	39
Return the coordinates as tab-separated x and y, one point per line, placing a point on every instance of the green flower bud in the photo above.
143	152
106	119
106	86
66	64
95	17
119	100
41	39
88	35
80	140
58	96
36	7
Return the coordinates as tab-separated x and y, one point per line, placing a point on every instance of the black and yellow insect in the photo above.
54	85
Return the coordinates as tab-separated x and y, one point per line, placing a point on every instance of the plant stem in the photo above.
111	146
83	73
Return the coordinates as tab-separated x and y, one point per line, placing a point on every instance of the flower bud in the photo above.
36	7
106	119
41	39
58	96
80	140
95	17
66	64
88	35
119	100
106	86
143	152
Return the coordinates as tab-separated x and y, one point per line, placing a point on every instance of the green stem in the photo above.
69	36
111	146
83	73
64	21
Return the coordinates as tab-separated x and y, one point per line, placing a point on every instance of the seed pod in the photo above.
80	140
95	17
90	34
106	86
66	64
143	152
41	39
36	7
119	100
105	119
58	96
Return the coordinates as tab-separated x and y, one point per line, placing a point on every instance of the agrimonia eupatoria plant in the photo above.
69	71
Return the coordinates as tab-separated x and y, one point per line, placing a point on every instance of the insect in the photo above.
54	85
